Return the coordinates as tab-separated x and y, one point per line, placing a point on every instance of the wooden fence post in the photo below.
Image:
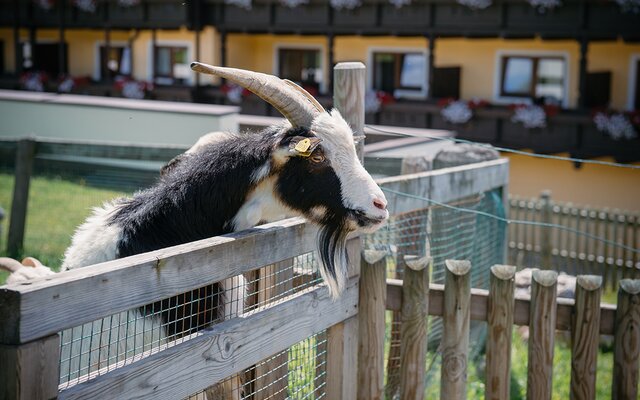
342	339
455	336
585	337
541	334
24	166
415	310
626	354
30	371
546	247
371	317
500	309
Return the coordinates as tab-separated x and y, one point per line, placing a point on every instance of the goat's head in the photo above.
318	171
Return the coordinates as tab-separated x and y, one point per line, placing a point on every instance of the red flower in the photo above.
442	103
478	103
551	110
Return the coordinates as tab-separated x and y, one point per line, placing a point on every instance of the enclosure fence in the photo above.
575	250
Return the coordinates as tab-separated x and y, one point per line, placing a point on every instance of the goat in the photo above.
306	166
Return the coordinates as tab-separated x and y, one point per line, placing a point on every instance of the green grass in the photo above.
56	207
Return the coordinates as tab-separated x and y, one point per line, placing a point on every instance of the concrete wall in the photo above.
110	119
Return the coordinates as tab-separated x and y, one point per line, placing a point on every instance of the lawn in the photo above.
56	207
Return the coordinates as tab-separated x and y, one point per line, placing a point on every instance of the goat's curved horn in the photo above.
9	264
31	262
292	101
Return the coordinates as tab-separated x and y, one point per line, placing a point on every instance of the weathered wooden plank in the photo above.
542	334
585	337
444	185
371	319
124	284
223	350
626	353
455	335
30	371
499	326
413	346
342	360
22	178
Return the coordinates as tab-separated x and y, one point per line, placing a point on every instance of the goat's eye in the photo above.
317	158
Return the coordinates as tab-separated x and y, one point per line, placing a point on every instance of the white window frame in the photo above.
302	46
400	93
190	81
97	71
497	77
633	73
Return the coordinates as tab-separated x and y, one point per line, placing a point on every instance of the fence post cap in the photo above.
631	286
349	65
503	272
458	267
545	277
589	282
417	263
373	256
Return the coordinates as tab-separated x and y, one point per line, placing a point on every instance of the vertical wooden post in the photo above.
23	169
348	97
546	244
455	335
500	309
371	317
585	336
626	354
30	371
542	314
415	310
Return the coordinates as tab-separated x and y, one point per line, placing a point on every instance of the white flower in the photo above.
617	126
246	4
86	5
33	83
234	94
530	117
457	112
293	3
475	4
66	85
400	3
371	102
629	6
345	4
544	5
133	90
128	3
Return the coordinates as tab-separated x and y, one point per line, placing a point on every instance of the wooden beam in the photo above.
626	353
371	317
30	371
225	349
542	334
585	338
499	327
342	361
124	284
22	178
455	334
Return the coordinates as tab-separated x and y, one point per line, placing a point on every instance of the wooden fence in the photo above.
575	250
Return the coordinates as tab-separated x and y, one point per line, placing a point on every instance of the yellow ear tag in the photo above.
303	145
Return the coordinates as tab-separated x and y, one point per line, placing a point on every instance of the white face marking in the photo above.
358	188
261	205
94	241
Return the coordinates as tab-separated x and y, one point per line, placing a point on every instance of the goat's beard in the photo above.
334	261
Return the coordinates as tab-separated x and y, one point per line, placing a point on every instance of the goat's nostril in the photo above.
379	204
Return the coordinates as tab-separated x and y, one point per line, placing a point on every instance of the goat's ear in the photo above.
301	146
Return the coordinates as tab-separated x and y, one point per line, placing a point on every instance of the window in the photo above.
171	65
402	74
537	78
44	57
116	62
301	66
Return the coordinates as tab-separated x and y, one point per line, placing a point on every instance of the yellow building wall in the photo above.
593	185
615	57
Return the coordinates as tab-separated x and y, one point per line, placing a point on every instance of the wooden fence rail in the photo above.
575	250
